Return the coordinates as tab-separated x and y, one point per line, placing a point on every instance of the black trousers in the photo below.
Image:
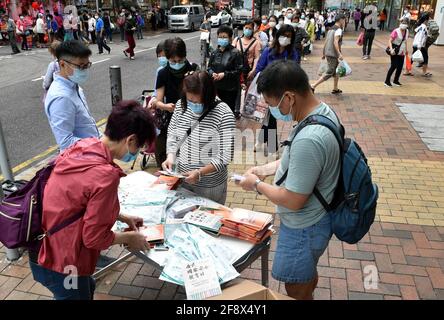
368	42
269	135
13	42
356	25
229	97
161	142
381	25
101	43
397	62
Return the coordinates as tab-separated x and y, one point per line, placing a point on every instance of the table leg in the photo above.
102	271
264	267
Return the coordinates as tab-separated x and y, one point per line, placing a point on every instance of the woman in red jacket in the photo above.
85	179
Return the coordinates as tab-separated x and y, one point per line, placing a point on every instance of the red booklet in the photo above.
236	234
153	233
251	219
166	183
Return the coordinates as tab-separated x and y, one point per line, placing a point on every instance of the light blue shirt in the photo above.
68	113
155	82
312	161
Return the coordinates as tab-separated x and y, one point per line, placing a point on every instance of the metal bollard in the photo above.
5	166
115	78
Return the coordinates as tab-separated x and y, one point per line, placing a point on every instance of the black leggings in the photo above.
397	62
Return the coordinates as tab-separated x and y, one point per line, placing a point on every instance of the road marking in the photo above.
38	79
44	154
143	50
95	62
191	38
152	48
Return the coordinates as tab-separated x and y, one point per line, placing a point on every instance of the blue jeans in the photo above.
54	282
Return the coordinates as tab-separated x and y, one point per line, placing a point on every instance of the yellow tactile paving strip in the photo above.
377	88
410	191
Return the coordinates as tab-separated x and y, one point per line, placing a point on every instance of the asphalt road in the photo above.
22	115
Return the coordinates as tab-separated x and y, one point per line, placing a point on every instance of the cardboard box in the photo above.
248	290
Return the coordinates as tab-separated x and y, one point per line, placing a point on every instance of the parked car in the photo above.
241	15
187	17
220	18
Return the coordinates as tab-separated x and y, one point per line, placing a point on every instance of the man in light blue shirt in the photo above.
65	104
312	161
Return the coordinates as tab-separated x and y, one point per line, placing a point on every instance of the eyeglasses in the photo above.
80	66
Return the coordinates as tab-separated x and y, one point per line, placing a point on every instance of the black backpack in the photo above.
246	66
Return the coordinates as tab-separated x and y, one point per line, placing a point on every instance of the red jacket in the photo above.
85	176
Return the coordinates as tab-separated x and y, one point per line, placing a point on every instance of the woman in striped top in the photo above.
204	155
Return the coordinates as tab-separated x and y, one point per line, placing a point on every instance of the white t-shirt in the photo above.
338	32
40	25
91	24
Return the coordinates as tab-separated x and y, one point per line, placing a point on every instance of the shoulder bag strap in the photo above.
187	134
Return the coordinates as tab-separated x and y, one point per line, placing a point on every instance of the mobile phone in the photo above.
237	177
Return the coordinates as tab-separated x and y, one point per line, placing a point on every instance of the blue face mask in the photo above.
129	157
163	61
223	42
248	32
177	66
278	114
79	76
195	107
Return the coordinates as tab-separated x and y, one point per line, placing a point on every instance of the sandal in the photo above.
338	91
427	75
408	74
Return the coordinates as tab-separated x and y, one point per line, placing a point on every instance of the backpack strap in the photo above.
324	121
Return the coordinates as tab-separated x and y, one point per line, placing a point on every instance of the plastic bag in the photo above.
254	106
360	40
322	67
343	69
408	63
417	56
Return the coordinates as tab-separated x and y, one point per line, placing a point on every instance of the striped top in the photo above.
211	141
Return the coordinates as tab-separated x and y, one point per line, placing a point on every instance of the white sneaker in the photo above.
364	57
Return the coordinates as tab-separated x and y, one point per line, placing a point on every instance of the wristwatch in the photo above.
256	183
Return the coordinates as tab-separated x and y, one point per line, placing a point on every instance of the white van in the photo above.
187	17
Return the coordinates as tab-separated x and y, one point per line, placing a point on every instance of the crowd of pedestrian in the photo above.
191	119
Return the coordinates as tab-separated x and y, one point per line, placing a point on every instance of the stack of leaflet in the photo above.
246	225
204	220
187	244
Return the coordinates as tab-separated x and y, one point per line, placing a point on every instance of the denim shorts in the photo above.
298	251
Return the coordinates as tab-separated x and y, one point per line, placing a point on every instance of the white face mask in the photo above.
281	23
405	11
284	41
403	26
272	24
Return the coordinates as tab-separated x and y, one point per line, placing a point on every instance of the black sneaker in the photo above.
388	84
397	84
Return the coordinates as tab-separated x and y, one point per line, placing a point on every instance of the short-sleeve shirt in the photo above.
338	32
312	161
172	84
396	38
